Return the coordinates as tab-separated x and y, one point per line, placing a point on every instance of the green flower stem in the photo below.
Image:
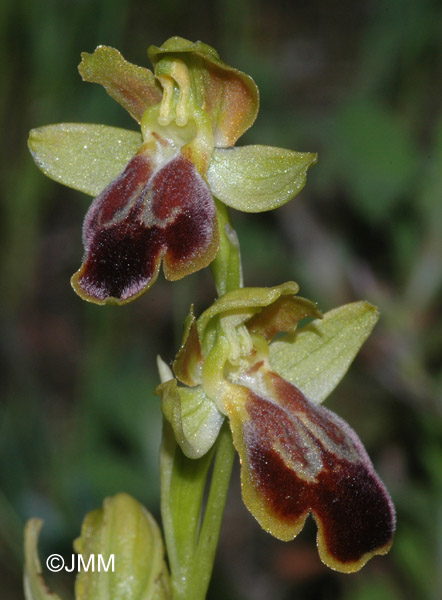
191	545
226	268
190	539
183	482
209	535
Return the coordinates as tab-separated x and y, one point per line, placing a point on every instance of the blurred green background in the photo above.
359	82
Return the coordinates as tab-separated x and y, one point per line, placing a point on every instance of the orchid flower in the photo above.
155	189
244	359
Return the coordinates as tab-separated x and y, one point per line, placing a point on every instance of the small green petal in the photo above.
246	300
258	178
194	417
125	529
134	87
83	156
34	585
282	316
188	361
316	358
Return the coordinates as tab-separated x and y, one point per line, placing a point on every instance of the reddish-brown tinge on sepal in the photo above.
140	218
299	457
134	87
283	315
189	359
231	100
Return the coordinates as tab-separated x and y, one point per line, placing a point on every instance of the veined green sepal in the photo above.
316	357
258	178
83	156
195	420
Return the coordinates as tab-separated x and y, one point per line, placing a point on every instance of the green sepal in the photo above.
194	417
34	585
125	529
83	156
258	178
229	97
134	87
317	356
177	45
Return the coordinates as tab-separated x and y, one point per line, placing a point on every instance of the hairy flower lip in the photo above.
298	458
141	219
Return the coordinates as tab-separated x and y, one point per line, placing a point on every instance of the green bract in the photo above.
34	585
122	529
155	190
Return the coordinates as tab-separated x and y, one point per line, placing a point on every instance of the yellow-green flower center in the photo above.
178	122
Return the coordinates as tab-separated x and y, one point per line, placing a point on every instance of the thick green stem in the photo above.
183	482
191	539
191	545
226	268
209	535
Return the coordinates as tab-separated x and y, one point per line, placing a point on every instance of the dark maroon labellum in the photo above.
303	458
140	218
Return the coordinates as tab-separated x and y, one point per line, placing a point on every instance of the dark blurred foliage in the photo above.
359	82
